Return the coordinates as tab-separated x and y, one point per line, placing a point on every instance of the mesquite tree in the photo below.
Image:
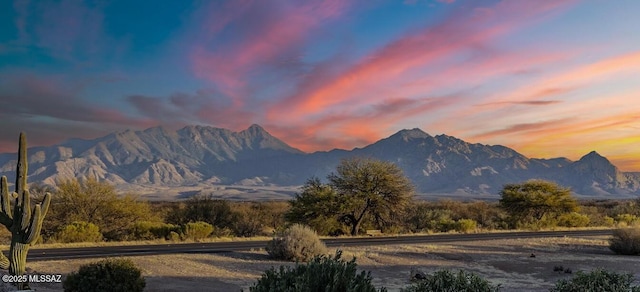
23	222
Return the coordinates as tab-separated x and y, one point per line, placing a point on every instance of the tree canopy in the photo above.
359	190
535	200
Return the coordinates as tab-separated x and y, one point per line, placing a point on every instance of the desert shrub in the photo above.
627	220
573	219
298	242
425	217
597	215
197	230
608	221
79	231
173	236
273	214
445	225
321	274
201	207
445	280
107	275
96	202
466	225
144	230
487	215
625	241
597	281
249	220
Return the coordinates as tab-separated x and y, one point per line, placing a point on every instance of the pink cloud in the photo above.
399	60
347	130
270	31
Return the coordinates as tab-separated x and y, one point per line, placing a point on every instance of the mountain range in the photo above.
201	156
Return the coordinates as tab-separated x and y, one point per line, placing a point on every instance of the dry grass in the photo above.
505	261
141	242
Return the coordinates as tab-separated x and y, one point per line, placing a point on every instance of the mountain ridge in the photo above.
202	156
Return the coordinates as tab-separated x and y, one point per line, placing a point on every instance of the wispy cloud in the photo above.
522	129
270	31
348	129
418	64
525	102
29	102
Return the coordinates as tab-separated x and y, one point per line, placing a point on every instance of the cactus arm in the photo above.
35	226
21	168
45	204
26	210
39	211
6	218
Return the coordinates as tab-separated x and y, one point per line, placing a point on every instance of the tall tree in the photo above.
361	190
370	189
316	206
533	200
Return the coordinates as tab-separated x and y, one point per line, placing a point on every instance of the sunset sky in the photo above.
546	78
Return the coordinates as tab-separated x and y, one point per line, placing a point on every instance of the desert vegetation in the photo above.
362	194
296	243
322	273
109	275
447	280
626	241
597	280
23	222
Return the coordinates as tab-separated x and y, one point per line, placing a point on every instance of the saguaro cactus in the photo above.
25	224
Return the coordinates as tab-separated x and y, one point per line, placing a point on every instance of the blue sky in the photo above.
547	78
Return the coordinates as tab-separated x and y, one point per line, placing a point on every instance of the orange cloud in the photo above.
397	62
344	130
571	79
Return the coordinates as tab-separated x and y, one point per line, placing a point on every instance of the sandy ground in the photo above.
507	262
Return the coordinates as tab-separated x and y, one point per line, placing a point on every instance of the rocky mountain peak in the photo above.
255	131
596	163
594	156
201	155
410	134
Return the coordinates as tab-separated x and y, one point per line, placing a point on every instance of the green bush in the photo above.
447	281
466	225
321	274
627	220
445	225
144	230
79	231
197	230
573	219
597	281
113	275
174	236
625	241
298	242
97	202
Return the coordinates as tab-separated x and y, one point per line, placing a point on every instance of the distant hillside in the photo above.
207	156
